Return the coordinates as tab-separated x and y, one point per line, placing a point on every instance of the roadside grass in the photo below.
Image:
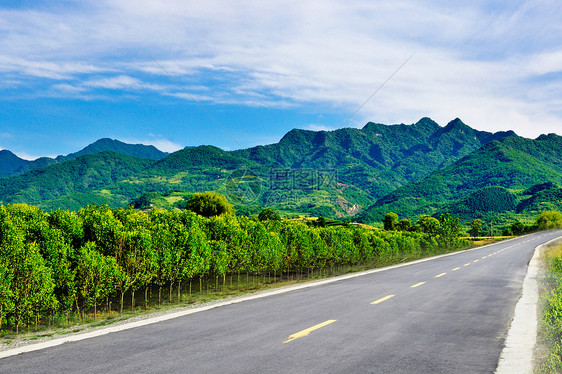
548	357
485	240
189	294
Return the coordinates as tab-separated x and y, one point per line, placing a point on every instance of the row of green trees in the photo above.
67	262
448	228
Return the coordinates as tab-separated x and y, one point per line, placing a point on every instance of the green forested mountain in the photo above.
483	181
84	174
10	164
106	144
409	169
377	158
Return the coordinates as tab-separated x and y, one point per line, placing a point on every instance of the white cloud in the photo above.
482	61
316	127
162	144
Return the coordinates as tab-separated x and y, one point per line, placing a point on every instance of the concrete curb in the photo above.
517	355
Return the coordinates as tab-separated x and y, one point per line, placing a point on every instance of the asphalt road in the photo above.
447	315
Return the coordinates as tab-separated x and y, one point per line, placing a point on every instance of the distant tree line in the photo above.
447	229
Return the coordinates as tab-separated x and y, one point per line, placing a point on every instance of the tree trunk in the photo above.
95	310
145	297
132	299
121	304
159	295
171	284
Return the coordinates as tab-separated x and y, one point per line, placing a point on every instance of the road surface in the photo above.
446	315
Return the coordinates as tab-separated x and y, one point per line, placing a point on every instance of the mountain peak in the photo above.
107	144
457	124
427	125
4	153
10	163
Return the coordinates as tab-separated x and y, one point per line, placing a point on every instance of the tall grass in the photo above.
550	330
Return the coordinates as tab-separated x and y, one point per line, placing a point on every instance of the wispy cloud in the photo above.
162	144
497	66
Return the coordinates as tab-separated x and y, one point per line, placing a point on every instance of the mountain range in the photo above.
358	174
10	164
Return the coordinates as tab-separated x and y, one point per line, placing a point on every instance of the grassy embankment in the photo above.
549	352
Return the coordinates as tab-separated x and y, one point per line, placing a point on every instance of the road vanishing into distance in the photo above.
447	315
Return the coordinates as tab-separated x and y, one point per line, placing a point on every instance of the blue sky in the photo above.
76	71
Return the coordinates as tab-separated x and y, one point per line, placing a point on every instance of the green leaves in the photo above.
64	262
209	204
549	220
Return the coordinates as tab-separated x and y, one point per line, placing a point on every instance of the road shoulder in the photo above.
517	355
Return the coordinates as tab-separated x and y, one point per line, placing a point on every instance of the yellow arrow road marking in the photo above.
382	299
440	275
304	333
417	285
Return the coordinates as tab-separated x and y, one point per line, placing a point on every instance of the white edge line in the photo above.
517	354
149	321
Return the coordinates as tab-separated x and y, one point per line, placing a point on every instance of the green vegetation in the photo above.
269	214
55	266
549	220
83	174
550	330
503	181
347	174
209	204
333	174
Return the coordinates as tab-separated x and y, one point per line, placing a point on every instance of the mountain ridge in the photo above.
513	163
368	166
11	164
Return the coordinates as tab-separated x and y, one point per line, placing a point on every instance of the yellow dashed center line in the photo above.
467	264
417	285
304	333
475	260
440	275
382	299
455	269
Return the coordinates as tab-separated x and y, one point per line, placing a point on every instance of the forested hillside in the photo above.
514	163
86	173
10	164
321	173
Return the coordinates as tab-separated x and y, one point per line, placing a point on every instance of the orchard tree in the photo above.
549	220
475	227
96	276
269	214
209	204
390	221
429	225
518	228
450	230
139	260
405	224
